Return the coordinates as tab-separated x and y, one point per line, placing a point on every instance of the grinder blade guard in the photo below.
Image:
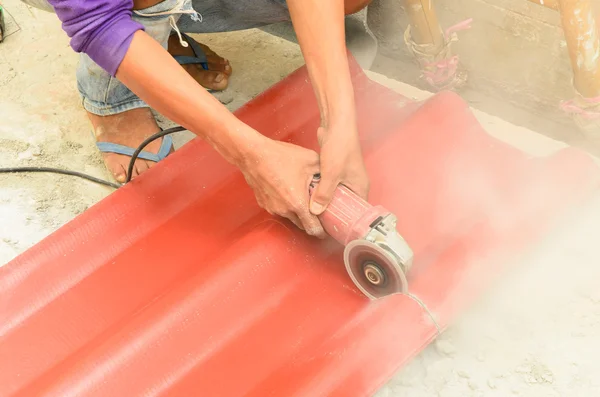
377	258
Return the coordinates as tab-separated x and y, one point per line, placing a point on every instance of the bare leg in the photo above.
132	127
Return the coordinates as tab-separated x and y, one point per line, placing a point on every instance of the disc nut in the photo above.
374	274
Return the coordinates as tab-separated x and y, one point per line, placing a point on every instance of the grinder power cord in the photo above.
91	178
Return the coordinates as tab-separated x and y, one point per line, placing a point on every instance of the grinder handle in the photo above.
347	217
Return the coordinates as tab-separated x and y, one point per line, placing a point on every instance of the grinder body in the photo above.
376	257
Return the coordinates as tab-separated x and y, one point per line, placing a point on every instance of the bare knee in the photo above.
352	6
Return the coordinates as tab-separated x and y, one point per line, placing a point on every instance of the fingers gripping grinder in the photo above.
377	258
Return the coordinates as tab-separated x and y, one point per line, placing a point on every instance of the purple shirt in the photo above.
102	29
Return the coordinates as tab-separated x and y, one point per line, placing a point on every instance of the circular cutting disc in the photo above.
374	270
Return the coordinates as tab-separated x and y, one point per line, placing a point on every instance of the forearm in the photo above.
319	26
150	72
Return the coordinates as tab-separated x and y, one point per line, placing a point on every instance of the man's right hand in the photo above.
280	174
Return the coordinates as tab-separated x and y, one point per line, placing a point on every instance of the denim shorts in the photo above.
105	95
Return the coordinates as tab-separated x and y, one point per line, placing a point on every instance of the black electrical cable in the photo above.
59	171
90	177
146	142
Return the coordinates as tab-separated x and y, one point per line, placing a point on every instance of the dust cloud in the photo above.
532	333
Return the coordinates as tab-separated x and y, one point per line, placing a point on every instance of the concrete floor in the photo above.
534	334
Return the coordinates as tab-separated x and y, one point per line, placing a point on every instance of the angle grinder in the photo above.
377	258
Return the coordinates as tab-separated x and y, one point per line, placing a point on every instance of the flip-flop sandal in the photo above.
163	152
199	57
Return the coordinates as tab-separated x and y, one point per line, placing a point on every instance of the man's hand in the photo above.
319	27
341	163
280	175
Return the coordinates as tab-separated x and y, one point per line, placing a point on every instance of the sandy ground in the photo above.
535	332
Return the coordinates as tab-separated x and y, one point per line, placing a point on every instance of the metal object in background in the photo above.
425	27
377	258
431	46
583	42
581	32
